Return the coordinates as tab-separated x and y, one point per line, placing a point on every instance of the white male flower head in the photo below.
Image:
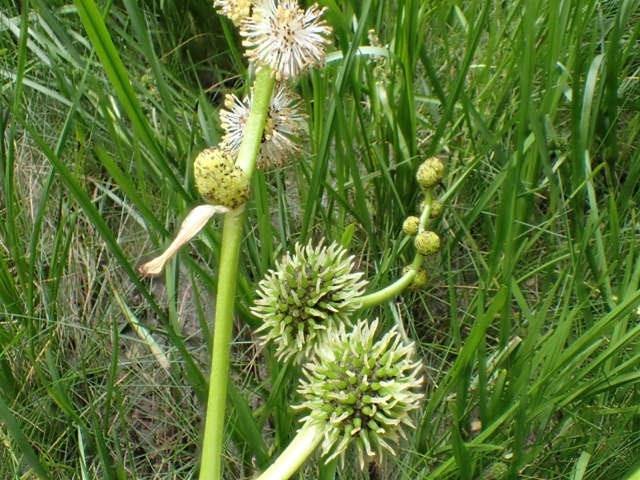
283	130
284	37
361	392
304	300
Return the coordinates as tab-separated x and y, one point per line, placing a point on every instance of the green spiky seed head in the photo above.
218	180
304	300
427	243
361	392
430	172
497	471
420	279
411	226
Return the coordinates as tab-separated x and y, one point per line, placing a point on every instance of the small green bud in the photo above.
420	279
427	243
392	372
436	209
385	357
374	427
218	180
332	375
410	226
350	399
357	423
430	172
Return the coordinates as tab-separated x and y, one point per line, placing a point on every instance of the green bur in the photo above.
358	392
219	180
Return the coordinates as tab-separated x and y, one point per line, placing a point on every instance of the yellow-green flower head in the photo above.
420	279
436	208
427	243
430	172
218	180
304	300
284	37
236	10
410	226
361	392
283	131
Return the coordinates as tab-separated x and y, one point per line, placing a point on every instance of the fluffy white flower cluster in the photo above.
284	127
279	34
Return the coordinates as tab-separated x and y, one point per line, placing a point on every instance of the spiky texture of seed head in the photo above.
306	298
361	392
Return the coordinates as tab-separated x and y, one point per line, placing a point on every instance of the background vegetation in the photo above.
529	328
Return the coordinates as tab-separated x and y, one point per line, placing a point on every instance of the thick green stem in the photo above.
210	467
262	91
211	463
375	298
426	211
302	446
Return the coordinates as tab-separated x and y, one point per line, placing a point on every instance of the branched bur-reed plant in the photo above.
356	390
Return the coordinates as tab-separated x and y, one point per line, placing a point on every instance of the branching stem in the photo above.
390	291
